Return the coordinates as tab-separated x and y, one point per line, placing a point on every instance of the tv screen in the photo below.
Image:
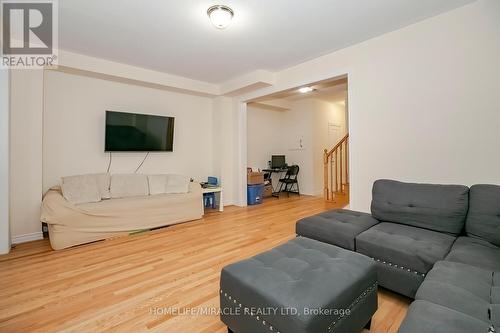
138	132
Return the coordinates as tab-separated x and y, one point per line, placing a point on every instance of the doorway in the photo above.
302	125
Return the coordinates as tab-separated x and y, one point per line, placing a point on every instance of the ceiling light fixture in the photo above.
305	90
220	16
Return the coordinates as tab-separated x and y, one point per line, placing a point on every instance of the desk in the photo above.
217	189
279	172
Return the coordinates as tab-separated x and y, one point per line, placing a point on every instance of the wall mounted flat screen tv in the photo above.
138	132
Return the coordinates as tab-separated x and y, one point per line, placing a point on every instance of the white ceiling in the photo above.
176	37
331	94
333	91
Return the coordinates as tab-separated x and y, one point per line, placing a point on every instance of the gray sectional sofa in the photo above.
438	244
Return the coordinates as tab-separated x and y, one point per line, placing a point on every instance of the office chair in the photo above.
290	180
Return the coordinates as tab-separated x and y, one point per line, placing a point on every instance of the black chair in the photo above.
290	181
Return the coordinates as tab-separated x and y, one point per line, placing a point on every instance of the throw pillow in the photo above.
157	184
104	182
80	189
130	185
177	184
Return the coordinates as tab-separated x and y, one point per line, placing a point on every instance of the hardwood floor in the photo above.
117	285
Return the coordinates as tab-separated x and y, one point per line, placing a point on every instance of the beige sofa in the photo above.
88	208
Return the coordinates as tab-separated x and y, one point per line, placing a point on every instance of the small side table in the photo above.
215	190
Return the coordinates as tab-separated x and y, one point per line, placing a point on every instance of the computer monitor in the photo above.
278	161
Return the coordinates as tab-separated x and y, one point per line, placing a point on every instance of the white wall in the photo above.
225	142
300	140
423	100
266	136
74	128
66	113
4	162
26	154
326	114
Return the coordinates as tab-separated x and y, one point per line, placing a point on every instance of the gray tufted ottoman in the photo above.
302	286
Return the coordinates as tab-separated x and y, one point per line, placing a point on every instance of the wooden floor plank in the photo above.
117	285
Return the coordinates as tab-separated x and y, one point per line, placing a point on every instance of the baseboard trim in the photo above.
27	237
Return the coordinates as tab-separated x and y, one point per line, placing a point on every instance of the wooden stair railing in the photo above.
336	168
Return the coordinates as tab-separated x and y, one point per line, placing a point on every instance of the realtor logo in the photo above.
29	34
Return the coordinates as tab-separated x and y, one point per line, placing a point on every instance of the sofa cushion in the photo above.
130	185
103	182
436	207
483	219
495	315
157	184
495	300
475	252
495	295
459	287
338	227
177	184
423	317
495	292
413	248
80	189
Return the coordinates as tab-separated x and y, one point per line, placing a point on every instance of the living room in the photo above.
132	243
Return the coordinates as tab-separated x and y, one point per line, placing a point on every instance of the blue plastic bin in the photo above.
254	194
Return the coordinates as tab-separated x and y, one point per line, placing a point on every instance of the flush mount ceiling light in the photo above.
220	16
305	90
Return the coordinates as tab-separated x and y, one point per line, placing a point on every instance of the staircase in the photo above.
336	169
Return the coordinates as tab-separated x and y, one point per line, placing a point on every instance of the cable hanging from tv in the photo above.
109	164
136	170
144	160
